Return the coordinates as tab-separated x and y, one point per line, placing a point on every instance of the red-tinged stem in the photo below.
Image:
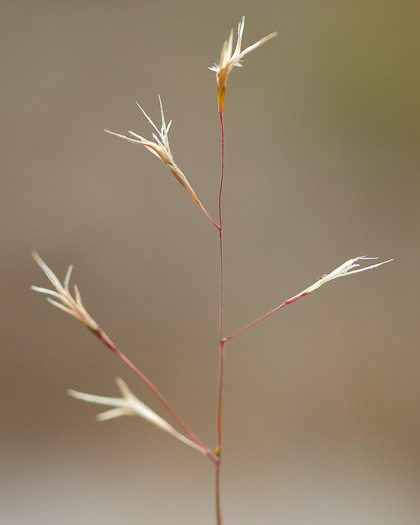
222	127
221	342
207	214
219	407
289	301
107	341
219	519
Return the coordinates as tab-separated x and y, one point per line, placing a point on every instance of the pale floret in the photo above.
344	270
65	301
229	59
130	405
159	147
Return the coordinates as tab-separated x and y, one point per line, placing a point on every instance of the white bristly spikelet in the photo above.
64	300
230	58
344	270
130	405
159	147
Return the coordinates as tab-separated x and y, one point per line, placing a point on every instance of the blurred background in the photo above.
322	400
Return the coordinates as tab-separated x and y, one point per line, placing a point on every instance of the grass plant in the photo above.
61	297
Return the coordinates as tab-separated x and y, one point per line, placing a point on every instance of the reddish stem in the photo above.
207	214
107	342
219	519
288	301
222	127
221	342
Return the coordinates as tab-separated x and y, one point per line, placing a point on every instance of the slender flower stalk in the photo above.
75	308
230	58
161	149
343	270
221	342
130	405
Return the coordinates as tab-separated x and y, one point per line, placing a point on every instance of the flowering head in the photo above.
344	270
229	59
129	405
159	146
65	301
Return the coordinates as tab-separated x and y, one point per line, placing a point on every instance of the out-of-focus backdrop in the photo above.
322	400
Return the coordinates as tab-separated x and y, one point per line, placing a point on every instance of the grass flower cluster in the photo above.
60	296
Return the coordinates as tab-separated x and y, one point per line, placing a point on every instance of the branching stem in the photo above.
288	301
207	214
101	335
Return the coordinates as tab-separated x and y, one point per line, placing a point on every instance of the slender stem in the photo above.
107	342
221	341
219	518
222	127
219	436
289	301
219	407
207	214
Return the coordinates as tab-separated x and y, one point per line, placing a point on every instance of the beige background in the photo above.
322	401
